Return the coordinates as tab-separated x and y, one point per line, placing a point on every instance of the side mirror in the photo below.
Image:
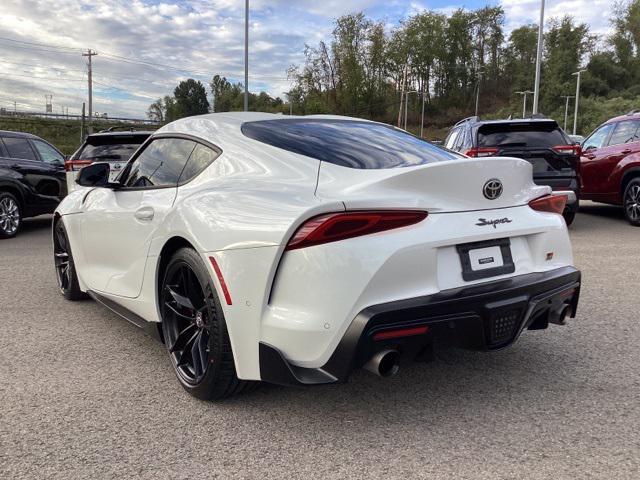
95	175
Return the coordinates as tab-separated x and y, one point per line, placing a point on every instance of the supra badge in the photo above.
492	189
483	221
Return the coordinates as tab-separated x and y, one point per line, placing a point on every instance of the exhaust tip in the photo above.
559	317
384	363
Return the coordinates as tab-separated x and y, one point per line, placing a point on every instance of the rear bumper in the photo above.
487	316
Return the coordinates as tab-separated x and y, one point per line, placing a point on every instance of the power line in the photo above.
7	39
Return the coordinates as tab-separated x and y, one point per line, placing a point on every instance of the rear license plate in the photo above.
486	259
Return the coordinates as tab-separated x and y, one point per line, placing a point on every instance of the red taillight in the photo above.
568	149
400	332
481	152
332	227
549	203
76	165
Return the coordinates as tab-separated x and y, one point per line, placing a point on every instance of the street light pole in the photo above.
246	56
478	90
524	101
575	112
406	102
422	117
566	109
536	93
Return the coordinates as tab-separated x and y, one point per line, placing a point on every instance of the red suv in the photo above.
610	165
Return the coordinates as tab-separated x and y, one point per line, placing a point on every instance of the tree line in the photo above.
444	59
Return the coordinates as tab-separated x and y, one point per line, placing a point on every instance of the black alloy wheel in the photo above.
631	202
195	330
10	215
64	265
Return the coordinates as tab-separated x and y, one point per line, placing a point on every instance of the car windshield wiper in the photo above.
514	144
108	157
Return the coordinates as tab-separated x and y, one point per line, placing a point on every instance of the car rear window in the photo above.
111	148
534	134
354	144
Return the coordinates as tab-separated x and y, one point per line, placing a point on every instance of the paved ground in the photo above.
83	394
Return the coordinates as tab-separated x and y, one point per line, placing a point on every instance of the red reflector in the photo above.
76	165
481	152
332	227
400	332
549	203
223	284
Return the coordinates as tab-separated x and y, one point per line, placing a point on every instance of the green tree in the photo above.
190	98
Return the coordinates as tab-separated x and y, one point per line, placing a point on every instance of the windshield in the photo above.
348	143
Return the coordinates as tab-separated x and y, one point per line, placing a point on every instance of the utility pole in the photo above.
48	108
90	54
15	107
566	109
82	125
536	93
246	56
524	102
575	113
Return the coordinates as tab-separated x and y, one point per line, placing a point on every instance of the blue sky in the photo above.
191	38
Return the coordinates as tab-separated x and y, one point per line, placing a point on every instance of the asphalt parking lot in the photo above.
84	394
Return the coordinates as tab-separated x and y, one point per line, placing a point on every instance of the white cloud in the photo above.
203	37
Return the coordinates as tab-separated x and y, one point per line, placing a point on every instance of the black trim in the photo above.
472	317
150	328
468	274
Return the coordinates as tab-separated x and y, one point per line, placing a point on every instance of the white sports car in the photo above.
295	249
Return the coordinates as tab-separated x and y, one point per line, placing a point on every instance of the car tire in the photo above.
65	266
10	215
195	331
569	217
631	202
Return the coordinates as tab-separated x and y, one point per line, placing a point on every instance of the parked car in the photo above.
610	165
540	141
295	249
113	146
576	139
32	179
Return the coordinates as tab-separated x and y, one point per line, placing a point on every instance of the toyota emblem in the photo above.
492	189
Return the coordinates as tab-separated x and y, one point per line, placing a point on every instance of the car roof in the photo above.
128	133
515	121
224	129
8	133
633	115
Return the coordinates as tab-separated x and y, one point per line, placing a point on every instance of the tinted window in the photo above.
534	134
19	148
160	164
347	143
597	138
625	132
111	147
200	158
48	153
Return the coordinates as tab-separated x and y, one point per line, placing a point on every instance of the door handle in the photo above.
144	214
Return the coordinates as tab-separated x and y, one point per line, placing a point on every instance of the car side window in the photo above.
625	132
451	139
19	148
597	138
160	164
48	153
200	158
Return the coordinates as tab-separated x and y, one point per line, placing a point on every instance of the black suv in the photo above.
540	141
113	146
32	179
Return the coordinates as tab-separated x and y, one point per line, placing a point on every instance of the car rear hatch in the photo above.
542	143
114	149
